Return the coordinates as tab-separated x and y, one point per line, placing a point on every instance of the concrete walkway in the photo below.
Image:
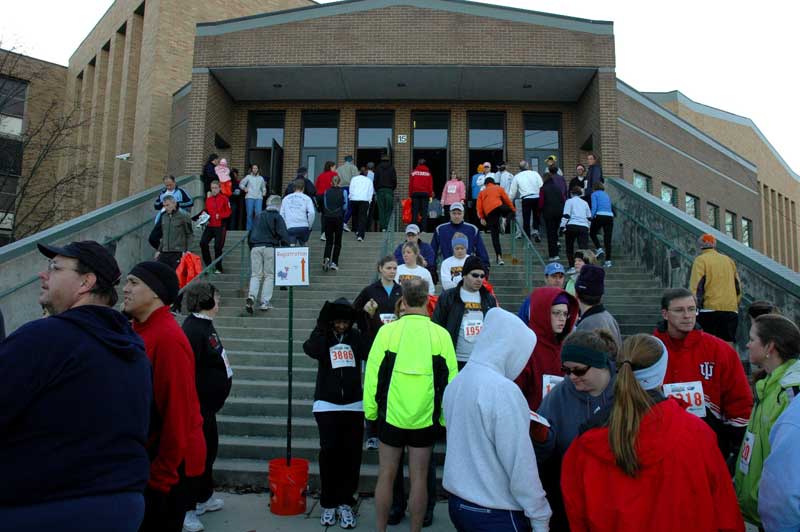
250	513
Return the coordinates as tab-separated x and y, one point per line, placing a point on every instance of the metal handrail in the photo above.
213	264
388	238
106	242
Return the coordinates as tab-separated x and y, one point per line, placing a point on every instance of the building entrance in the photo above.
436	161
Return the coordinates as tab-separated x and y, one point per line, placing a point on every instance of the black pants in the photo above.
551	225
399	490
720	323
606	224
164	512
530	210
218	235
155	235
493	223
202	487
574	232
360	217
333	228
170	258
419	207
340	437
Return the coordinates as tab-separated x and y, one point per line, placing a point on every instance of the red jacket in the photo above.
176	437
705	358
218	208
683	483
324	182
421	180
546	356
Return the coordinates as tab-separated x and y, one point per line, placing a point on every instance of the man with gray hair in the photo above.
269	232
525	186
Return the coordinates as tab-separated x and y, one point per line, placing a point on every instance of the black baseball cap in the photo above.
93	255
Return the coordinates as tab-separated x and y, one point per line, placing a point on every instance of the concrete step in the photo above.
265	406
300	373
272	388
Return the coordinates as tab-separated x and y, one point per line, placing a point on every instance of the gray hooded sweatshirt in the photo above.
490	459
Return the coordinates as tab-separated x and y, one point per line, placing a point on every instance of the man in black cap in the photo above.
589	289
177	445
67	455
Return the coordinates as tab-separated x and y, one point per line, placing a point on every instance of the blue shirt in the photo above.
601	204
475	187
779	492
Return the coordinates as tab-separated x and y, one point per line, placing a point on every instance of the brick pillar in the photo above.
515	139
292	138
105	163
347	134
196	154
458	143
120	184
402	152
96	128
609	138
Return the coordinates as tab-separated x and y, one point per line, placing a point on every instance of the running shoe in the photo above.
328	517
347	518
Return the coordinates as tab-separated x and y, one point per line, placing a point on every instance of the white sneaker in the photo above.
326	264
346	228
518	236
328	517
553	259
322	237
600	252
607	264
191	523
264	306
334	266
360	239
346	517
213	504
372	444
500	260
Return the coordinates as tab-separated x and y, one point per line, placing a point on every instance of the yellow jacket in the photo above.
715	282
411	362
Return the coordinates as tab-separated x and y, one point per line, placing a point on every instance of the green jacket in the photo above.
176	232
411	362
773	395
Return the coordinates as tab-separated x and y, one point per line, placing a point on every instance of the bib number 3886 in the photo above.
342	356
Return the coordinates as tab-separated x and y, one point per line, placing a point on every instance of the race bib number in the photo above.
451	189
387	318
691	392
228	368
472	329
549	382
342	356
747	452
541	420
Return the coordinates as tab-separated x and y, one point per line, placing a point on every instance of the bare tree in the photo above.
43	168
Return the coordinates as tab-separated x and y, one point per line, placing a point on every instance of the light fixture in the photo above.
401	84
277	86
527	86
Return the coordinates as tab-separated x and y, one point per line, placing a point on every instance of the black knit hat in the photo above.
160	278
472	263
591	281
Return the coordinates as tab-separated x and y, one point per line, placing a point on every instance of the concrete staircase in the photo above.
252	424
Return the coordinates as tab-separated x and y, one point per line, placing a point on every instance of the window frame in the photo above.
647	179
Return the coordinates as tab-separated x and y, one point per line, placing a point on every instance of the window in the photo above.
642	182
747	232
712	215
669	194
264	128
320	129
730	224
693	206
486	130
542	138
430	129
374	128
12	97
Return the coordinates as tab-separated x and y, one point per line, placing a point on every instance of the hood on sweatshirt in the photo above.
541	301
341	309
504	344
109	327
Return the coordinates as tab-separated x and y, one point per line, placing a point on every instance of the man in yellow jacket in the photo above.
411	362
716	286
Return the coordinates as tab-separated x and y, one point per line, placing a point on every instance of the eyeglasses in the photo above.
578	372
681	311
53	267
478	275
559	313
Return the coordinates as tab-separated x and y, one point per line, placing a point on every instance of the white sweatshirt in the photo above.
404	272
578	211
526	184
450	271
490	459
297	210
361	189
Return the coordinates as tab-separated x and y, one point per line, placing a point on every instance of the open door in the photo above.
276	168
389	150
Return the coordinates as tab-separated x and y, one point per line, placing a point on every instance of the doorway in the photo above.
477	157
369	155
436	161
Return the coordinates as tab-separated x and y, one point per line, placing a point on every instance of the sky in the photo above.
733	55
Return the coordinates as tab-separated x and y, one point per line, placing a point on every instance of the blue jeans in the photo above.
470	517
253	207
298	235
119	512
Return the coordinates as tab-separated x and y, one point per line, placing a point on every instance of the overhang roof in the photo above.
597	27
404	82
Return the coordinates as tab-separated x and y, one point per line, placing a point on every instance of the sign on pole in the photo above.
291	266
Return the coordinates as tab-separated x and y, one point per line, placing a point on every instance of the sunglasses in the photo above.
578	372
478	275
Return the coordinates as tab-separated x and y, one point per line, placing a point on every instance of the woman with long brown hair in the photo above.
651	465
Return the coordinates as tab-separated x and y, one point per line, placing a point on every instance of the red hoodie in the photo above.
683	483
176	437
421	180
546	356
218	208
324	182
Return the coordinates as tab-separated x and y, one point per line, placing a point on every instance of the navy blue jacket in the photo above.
75	399
443	241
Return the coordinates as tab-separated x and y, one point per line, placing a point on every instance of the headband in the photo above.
584	355
652	377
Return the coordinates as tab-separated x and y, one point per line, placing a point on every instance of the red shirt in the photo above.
324	182
177	437
218	208
421	180
683	483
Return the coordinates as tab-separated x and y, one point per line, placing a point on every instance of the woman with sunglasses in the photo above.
552	316
587	361
649	464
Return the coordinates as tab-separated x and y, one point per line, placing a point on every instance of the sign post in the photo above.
291	269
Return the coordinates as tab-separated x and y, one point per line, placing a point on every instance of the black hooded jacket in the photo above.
341	385
211	374
385	176
75	398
